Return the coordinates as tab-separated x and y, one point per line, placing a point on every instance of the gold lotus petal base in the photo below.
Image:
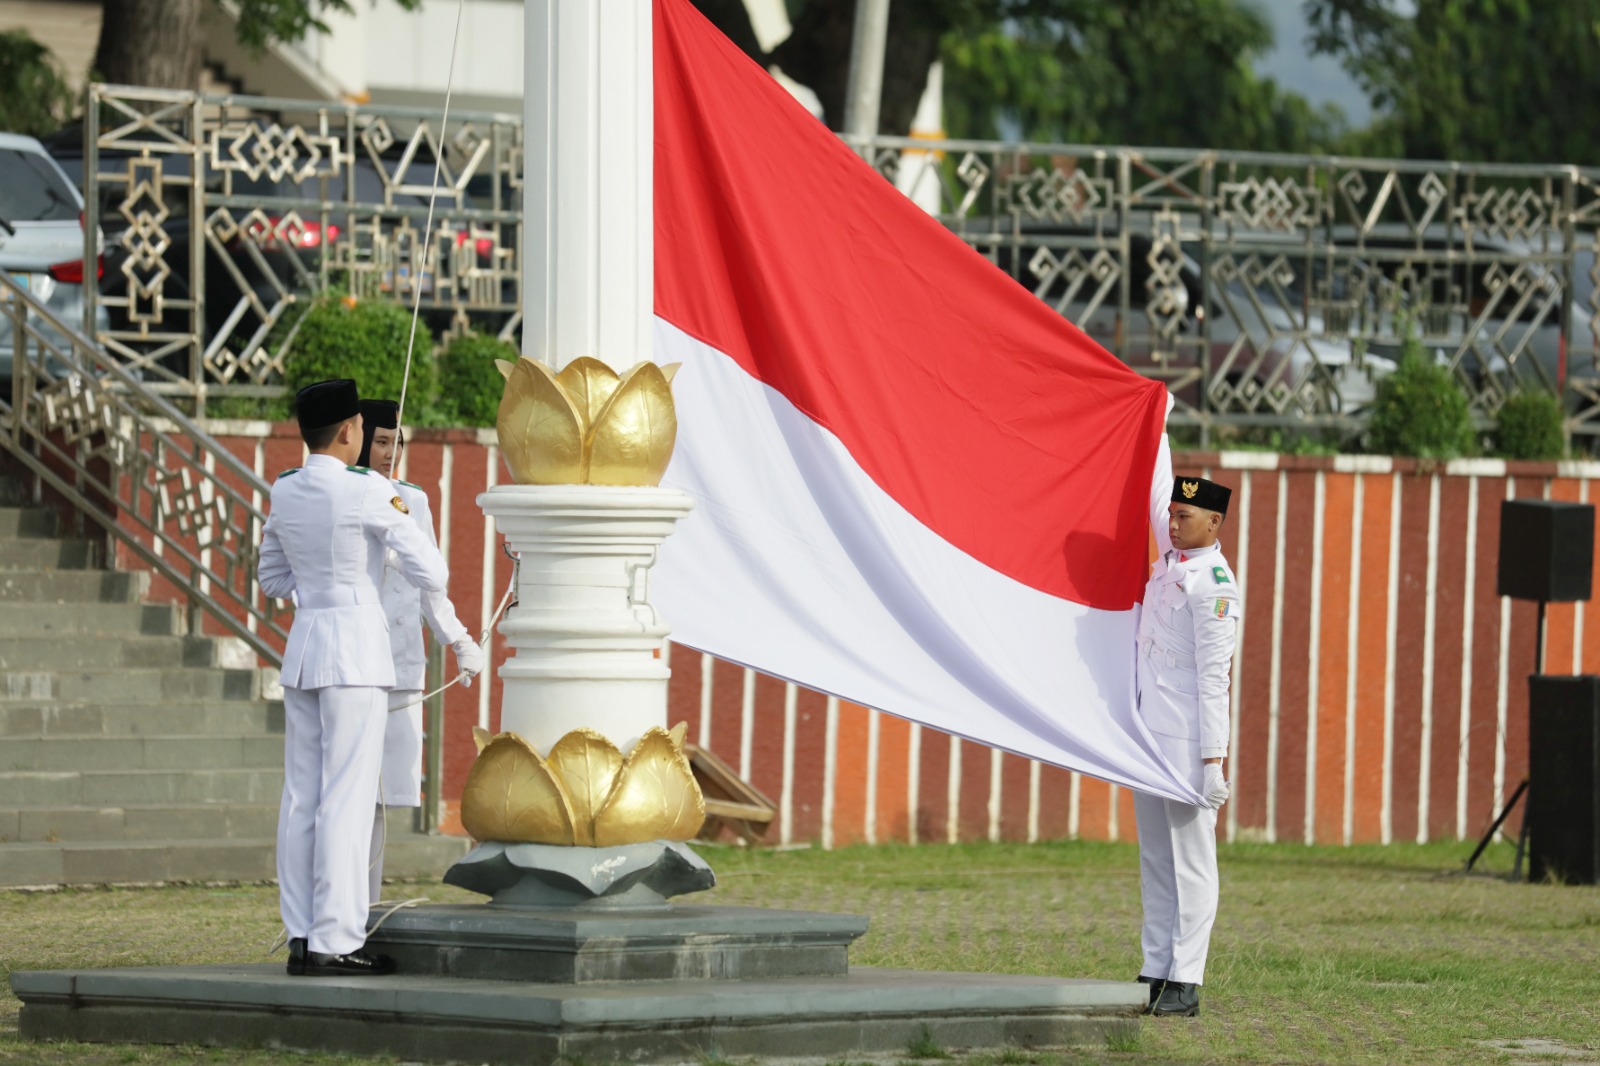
584	794
587	425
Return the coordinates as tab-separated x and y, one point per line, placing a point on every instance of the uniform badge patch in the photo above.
400	505
1224	609
1219	575
1189	488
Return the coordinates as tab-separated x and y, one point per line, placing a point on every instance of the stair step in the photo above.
128	685
72	586
54	655
27	522
165	821
409	856
121	862
139	822
46	552
140	719
88	619
66	788
259	752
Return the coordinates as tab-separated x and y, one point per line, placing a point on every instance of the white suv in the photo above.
41	239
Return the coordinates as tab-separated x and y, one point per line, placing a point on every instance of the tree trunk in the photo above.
152	43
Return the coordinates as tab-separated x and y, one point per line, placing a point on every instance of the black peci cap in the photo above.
1201	493
376	415
381	414
326	403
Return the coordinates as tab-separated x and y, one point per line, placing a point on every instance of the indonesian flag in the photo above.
917	487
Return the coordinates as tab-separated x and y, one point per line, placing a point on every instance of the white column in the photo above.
588	225
584	637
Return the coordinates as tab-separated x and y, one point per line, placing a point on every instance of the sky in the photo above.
1320	79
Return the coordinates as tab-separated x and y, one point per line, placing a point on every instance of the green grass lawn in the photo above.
1338	955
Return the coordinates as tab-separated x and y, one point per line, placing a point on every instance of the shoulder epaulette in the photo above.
408	484
359	469
291	470
1219	574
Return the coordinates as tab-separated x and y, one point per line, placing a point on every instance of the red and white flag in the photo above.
917	487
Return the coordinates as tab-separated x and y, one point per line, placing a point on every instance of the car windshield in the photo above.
32	191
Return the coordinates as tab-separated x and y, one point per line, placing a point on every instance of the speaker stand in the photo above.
1522	837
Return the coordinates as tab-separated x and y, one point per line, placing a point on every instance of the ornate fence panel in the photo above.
223	216
1274	290
1267	290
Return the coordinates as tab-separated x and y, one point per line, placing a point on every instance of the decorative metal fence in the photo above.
223	215
1274	289
1266	290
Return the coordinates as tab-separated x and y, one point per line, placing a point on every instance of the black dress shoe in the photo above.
1155	984
297	956
1178	999
355	964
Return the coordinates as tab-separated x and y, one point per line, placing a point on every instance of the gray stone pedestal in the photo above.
569	946
441	1019
522	980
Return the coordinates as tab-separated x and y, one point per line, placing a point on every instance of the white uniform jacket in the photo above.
1188	629
315	550
403	602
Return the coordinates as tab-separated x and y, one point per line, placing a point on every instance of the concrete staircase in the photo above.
131	752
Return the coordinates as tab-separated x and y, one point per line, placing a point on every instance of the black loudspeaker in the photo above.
1564	778
1546	550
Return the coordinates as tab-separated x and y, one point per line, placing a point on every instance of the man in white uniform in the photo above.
1187	632
323	545
404	605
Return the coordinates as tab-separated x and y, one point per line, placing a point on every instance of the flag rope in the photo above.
427	228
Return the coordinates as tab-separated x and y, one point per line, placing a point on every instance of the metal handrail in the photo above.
133	462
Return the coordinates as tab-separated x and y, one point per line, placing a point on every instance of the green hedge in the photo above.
470	384
342	337
1420	410
1531	427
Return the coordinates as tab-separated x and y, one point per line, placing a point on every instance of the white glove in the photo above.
469	659
1216	789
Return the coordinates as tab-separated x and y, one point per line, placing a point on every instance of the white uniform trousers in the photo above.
1177	873
333	746
402	774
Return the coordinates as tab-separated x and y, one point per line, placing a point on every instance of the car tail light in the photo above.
71	272
309	235
312	234
484	246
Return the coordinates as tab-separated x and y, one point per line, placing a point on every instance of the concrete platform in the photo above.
444	1019
573	945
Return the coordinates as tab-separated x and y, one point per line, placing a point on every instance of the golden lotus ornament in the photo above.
587	425
584	793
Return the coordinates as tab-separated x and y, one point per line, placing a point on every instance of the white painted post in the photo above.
585	639
588	220
863	94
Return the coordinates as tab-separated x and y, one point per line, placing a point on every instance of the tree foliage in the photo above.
34	96
1152	72
1490	80
157	43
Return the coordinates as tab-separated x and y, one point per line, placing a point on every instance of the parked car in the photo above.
41	239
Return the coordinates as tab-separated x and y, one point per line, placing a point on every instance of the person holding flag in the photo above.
405	607
1188	629
329	530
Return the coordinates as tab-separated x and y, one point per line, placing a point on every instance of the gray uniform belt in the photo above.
339	596
1160	656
